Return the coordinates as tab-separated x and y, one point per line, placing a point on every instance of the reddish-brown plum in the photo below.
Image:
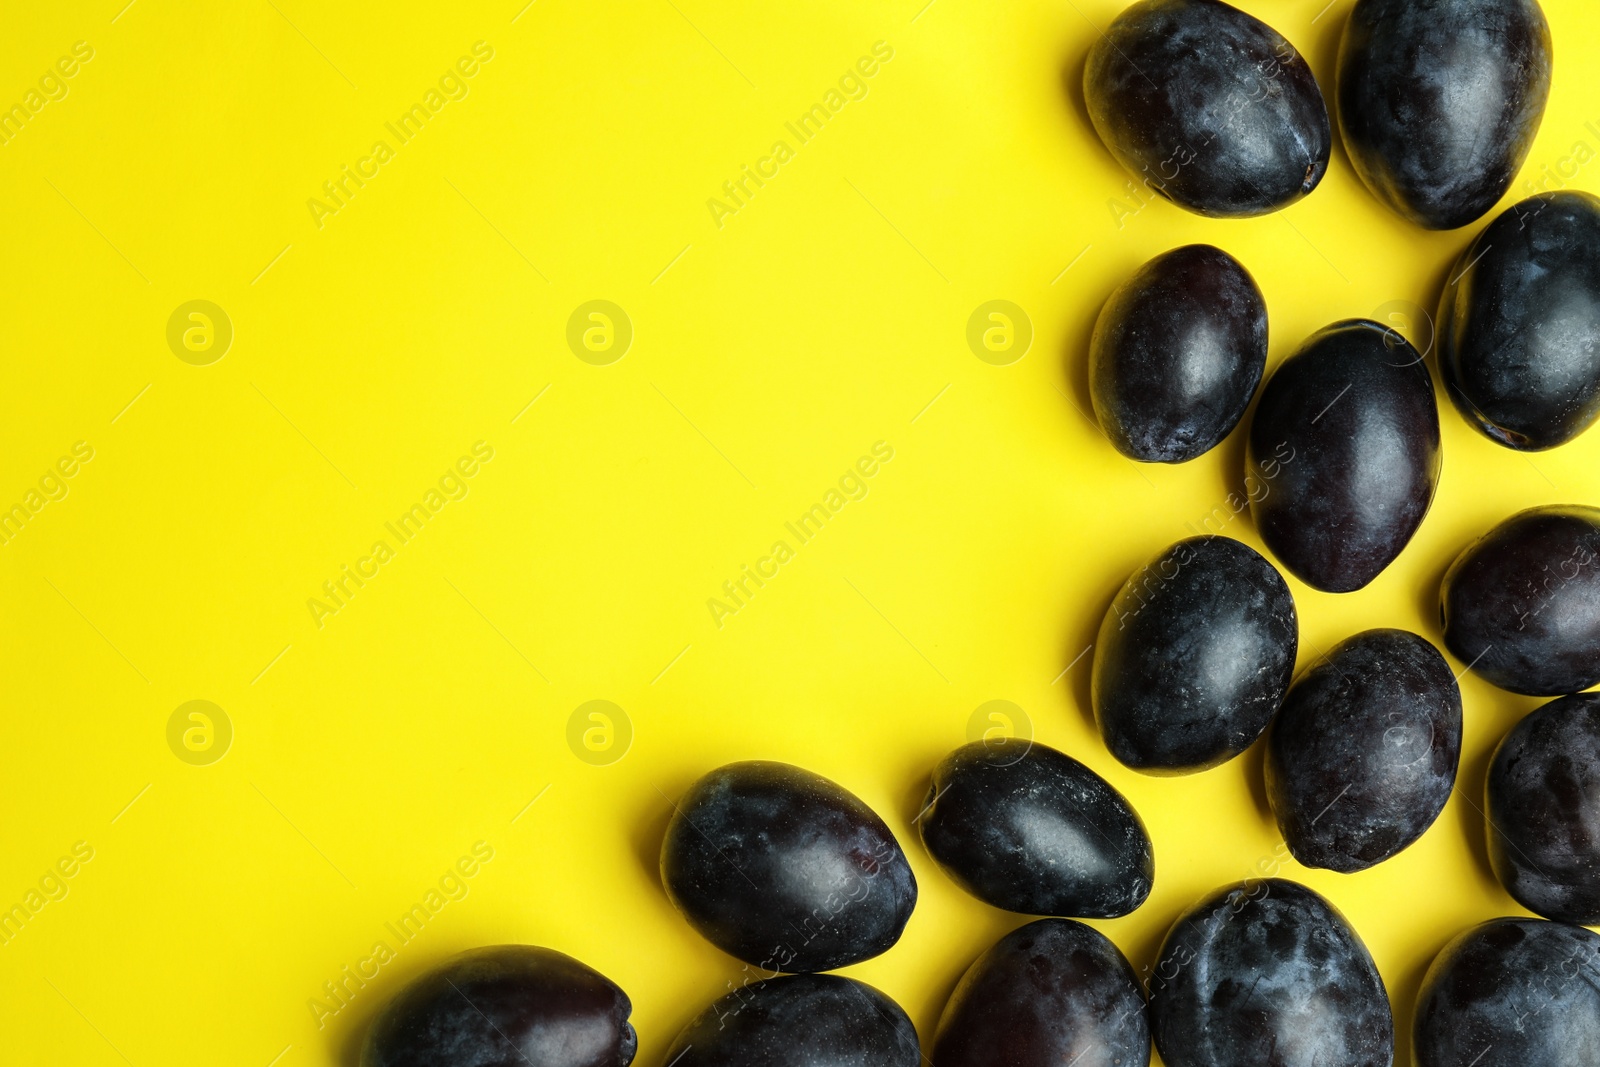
1543	807
505	1004
1177	354
1048	994
1350	431
785	869
1207	106
1363	754
1521	605
798	1020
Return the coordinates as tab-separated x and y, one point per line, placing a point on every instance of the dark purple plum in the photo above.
1512	993
1519	323
785	869
505	1004
1439	101
1268	974
1363	754
1543	806
1193	657
1350	428
1521	605
1024	827
799	1020
1177	354
1208	107
1048	994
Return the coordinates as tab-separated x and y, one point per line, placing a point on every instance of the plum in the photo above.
1024	827
1543	807
1512	993
1521	605
1048	994
1439	101
799	1020
1193	657
505	1004
1347	436
1208	107
785	869
1363	754
1519	323
1268	973
1177	354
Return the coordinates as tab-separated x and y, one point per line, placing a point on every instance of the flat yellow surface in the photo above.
395	335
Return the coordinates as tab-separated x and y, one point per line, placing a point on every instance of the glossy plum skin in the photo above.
1050	993
1177	354
1439	101
1363	754
1543	807
799	1020
1512	993
1519	325
1521	605
1024	827
1347	438
1193	657
1271	975
785	869
505	1004
1208	107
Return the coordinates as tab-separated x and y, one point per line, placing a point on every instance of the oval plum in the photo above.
1194	656
799	1020
1521	605
785	869
1512	993
1024	827
1363	754
1268	973
1348	429
1439	101
1519	323
1050	993
1177	354
1543	810
1208	107
505	1004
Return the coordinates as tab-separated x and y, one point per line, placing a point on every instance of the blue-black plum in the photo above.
799	1020
1349	431
1268	974
1512	993
1048	994
1363	754
785	869
1521	605
1193	657
1024	827
1544	810
1519	323
1177	354
1439	101
505	1004
1208	107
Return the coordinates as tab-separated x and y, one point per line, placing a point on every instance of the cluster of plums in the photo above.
1439	101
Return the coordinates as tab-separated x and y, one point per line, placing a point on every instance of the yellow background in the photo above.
768	354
